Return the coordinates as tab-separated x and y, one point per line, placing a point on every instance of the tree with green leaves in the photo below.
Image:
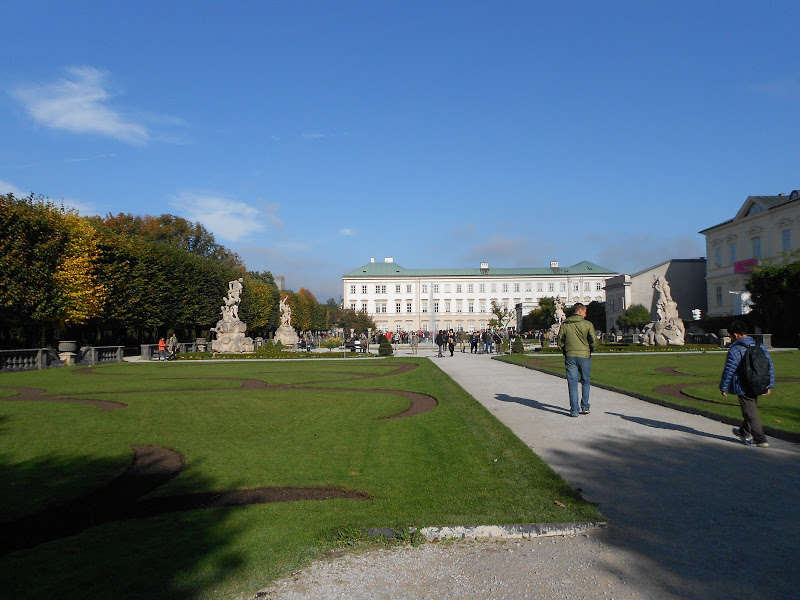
260	306
775	295
542	317
636	316
596	314
359	321
501	315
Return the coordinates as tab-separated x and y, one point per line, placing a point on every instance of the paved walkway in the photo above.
706	516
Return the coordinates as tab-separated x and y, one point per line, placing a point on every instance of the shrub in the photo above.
518	348
385	349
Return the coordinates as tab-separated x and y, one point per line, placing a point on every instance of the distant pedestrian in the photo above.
414	343
162	349
172	345
451	341
576	339
439	339
751	432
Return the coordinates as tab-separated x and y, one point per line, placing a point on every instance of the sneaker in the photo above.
751	442
574	416
743	435
584	411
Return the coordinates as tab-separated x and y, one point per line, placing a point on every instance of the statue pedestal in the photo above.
68	358
231	338
286	335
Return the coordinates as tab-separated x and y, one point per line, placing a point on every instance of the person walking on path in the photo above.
451	341
172	345
576	339
162	349
751	431
439	342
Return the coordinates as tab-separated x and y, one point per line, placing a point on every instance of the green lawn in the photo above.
455	464
637	374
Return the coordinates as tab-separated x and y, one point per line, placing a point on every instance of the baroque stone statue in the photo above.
668	328
230	330
286	334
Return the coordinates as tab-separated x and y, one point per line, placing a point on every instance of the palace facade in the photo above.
400	299
764	228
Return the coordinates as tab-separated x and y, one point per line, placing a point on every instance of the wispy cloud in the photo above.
7	188
313	136
226	218
346	232
81	103
641	251
506	251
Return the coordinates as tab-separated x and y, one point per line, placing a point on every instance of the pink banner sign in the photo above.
745	266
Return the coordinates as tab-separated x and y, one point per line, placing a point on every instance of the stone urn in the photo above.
68	346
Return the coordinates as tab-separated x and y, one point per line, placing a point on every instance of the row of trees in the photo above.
125	279
545	315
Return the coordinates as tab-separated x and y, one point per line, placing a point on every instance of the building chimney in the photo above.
484	267
388	259
372	259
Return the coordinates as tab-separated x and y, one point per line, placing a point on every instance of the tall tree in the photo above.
775	294
542	317
596	314
636	316
501	315
260	306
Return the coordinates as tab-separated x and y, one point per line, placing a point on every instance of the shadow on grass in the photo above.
81	551
144	538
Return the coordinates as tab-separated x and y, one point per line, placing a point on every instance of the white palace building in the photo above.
400	299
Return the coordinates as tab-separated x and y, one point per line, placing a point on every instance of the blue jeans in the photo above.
578	369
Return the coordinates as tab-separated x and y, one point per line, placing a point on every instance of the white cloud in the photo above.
313	136
225	218
7	188
78	103
346	232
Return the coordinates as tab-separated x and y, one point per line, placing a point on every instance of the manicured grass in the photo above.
780	411
455	464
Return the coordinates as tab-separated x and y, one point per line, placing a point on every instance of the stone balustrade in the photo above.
28	359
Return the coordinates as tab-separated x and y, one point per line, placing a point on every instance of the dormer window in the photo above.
755	209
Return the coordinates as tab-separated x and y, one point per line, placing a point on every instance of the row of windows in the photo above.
551	287
380	307
446	306
756	248
471	327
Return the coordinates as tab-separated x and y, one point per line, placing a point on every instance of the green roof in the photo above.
392	269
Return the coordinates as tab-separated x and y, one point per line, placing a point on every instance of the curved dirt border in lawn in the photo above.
154	466
676	390
121	499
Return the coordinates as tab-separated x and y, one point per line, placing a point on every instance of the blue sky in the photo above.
311	136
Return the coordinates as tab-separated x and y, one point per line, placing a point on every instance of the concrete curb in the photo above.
523	531
519	531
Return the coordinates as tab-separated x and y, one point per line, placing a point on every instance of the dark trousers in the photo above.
752	422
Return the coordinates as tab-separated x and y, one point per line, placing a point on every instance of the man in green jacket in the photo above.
576	339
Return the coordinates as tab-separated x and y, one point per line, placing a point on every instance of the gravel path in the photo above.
693	513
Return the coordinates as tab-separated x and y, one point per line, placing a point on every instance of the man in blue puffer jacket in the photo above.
751	432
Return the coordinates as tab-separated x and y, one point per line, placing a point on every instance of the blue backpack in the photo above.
754	371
